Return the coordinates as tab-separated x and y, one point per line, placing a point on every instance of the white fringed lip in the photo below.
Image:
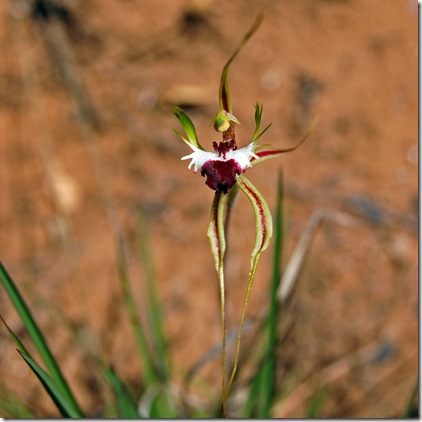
241	156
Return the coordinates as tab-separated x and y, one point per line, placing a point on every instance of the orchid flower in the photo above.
224	169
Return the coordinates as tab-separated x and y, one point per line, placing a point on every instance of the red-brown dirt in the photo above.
86	144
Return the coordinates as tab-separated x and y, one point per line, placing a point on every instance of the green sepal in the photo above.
258	116
224	92
188	127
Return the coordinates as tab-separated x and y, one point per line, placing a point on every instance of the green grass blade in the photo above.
155	373
127	407
155	309
15	338
163	407
315	404
139	333
11	406
65	407
269	365
412	407
37	337
249	410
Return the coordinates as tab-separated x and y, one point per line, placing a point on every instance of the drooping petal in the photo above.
263	220
215	232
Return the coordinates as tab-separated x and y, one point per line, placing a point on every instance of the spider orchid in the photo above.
224	169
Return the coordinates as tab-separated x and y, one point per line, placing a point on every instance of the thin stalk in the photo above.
216	235
155	308
239	335
223	342
130	305
220	212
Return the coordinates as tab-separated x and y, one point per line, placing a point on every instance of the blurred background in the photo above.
87	153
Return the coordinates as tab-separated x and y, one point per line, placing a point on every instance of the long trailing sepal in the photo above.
266	154
264	231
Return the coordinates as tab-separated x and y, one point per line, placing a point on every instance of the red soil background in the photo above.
86	144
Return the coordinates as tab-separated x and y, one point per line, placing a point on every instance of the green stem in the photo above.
239	335
223	342
221	235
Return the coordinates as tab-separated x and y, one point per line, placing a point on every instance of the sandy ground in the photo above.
86	149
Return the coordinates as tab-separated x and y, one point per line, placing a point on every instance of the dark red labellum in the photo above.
221	175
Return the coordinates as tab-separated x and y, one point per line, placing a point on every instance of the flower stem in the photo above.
223	342
239	335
